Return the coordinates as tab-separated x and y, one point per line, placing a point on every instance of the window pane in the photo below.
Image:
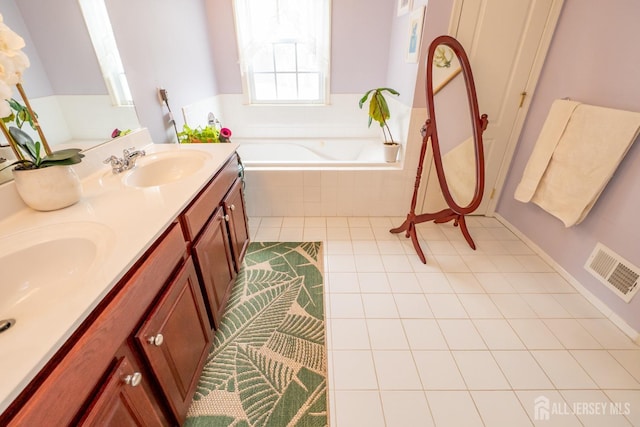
309	86
287	89
307	61
285	55
264	86
263	60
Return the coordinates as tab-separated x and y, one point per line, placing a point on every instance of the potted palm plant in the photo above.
379	111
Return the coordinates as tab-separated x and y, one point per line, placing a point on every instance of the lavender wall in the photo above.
594	59
60	34
164	43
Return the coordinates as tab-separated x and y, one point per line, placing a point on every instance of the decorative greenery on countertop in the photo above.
69	156
198	134
379	110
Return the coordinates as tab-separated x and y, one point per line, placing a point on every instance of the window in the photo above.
284	49
104	43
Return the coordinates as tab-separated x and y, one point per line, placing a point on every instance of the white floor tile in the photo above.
346	306
438	370
434	283
480	371
406	408
571	334
479	306
461	334
630	360
453	408
451	263
512	306
605	369
446	306
535	334
424	334
373	282
545	306
341	263
404	283
342	282
350	334
578	306
396	263
387	334
522	370
465	283
629	403
396	370
495	283
498	334
368	263
359	409
608	334
354	370
379	306
563	370
412	306
500	408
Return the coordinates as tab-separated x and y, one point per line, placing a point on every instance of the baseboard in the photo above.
617	320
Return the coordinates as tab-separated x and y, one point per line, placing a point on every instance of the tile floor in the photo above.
493	337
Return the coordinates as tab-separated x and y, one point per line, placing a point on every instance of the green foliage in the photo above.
198	134
378	108
33	150
20	115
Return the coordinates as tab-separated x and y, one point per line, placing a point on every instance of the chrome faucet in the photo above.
128	160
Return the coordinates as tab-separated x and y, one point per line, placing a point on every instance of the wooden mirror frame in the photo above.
429	132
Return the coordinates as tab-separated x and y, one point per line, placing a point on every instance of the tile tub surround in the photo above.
135	217
463	340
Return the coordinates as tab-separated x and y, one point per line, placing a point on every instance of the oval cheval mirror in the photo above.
454	128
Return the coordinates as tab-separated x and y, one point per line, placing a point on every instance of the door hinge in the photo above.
523	95
493	193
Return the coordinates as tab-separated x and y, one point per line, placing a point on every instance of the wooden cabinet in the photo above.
216	223
212	253
137	358
175	339
123	400
236	217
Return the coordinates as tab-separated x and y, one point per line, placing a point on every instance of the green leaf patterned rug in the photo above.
268	364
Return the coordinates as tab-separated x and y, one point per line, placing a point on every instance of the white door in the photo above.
506	42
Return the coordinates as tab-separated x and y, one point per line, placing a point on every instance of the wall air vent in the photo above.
614	271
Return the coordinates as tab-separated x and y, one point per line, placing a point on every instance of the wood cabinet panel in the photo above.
123	400
198	213
212	254
237	219
175	339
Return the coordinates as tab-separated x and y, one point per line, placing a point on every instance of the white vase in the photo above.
48	189
391	152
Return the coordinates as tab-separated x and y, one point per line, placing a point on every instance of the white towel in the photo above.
578	150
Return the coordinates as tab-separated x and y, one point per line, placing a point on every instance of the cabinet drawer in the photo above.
197	215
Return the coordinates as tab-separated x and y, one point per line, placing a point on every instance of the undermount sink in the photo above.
165	167
41	265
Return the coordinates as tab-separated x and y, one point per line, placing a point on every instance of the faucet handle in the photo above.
110	159
128	151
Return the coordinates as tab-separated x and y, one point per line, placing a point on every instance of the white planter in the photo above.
391	152
48	189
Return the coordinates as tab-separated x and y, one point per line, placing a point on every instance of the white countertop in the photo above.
133	218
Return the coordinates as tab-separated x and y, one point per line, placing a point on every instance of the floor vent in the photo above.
614	271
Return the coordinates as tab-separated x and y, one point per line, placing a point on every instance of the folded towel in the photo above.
578	150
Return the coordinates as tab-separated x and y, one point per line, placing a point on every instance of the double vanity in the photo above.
107	307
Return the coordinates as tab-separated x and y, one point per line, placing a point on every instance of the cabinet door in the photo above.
175	339
236	216
212	253
123	401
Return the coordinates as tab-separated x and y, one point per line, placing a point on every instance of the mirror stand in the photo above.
457	209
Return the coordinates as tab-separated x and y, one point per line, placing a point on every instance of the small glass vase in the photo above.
48	189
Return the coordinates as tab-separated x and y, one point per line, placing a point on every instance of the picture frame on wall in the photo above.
404	6
415	35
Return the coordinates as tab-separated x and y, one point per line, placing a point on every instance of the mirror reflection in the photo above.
455	128
64	83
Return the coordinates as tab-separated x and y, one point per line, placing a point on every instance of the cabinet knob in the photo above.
232	207
156	340
226	218
133	380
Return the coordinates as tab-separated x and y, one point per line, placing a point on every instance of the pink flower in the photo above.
115	133
225	134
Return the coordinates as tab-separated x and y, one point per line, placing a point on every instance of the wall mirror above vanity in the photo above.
64	82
